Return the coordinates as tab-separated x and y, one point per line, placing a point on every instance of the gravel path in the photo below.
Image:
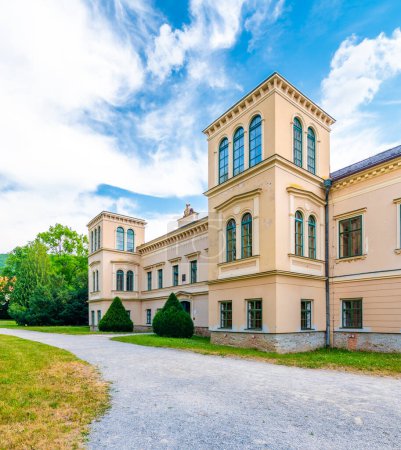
169	399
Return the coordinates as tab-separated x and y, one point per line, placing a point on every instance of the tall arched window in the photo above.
311	151
130	280
312	237
299	233
130	240
98	237
255	141
223	160
246	236
238	151
231	240
120	238
297	142
120	280
92	241
95	239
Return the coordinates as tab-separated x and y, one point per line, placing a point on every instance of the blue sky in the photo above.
103	103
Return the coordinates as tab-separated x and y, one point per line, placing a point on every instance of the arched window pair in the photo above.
299	235
246	238
129	280
255	149
120	239
297	138
95	239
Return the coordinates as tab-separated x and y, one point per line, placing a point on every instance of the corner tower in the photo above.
113	262
268	156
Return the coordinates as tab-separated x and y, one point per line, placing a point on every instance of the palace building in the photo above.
290	258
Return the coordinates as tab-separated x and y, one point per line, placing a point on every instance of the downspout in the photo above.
327	184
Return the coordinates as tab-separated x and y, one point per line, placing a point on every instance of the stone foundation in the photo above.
202	331
373	342
143	328
270	342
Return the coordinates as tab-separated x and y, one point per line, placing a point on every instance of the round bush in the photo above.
116	318
173	321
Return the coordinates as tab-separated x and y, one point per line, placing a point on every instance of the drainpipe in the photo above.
327	185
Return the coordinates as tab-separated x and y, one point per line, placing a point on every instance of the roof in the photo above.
123	216
263	85
382	157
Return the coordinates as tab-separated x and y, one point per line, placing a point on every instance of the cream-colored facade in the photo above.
263	276
144	274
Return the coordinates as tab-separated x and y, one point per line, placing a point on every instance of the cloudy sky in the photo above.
102	103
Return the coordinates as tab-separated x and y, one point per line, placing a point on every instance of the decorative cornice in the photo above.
174	260
186	232
267	274
192	255
153	266
271	161
236	198
274	83
306	194
117	218
355	212
367	174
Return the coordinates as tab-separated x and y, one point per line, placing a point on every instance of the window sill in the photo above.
351	258
351	330
238	261
293	255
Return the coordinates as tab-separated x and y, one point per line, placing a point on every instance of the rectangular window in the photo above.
226	315
352	313
149	275
160	278
128	312
93	318
175	275
99	316
350	236
306	315
148	317
194	271
94	281
183	277
254	314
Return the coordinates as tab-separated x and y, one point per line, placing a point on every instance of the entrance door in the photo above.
186	306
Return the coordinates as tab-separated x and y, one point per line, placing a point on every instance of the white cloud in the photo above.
60	61
214	26
358	71
264	14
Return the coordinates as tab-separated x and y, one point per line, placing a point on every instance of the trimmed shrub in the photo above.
116	318
172	320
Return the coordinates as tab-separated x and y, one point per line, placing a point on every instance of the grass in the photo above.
338	359
61	329
48	397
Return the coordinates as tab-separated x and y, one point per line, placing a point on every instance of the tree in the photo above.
116	318
6	288
172	320
52	279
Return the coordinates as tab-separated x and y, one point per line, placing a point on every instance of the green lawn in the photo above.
48	397
367	362
61	329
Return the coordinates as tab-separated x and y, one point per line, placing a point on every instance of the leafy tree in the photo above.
52	279
172	320
6	288
116	318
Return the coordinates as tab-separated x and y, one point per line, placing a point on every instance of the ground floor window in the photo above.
148	317
99	316
352	313
128	312
254	314
306	314
93	318
226	315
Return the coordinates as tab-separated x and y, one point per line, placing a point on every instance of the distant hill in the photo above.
3	257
